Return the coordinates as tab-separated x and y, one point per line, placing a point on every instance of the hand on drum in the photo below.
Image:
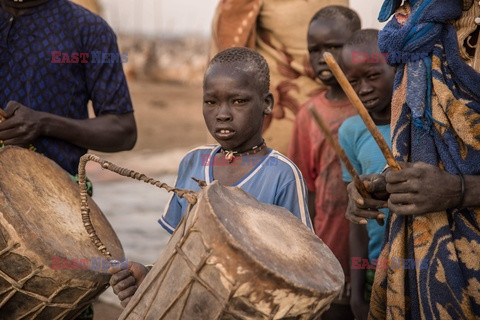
125	282
359	208
22	126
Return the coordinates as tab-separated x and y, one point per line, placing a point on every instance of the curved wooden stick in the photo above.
362	111
341	153
190	196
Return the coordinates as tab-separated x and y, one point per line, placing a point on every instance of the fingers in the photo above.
119	276
375	183
405	209
11	107
125	302
124	287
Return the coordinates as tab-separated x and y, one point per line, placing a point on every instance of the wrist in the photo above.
471	196
43	121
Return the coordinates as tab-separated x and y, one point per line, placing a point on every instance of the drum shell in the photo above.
205	274
31	286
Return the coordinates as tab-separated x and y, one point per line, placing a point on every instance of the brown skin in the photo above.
327	35
373	83
417	189
13	11
107	133
231	101
125	282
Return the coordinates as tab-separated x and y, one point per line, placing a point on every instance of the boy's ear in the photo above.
268	104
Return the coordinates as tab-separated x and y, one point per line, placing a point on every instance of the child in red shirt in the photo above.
328	31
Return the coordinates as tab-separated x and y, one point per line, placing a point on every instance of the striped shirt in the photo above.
274	180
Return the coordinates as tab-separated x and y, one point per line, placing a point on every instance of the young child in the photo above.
372	78
236	98
329	29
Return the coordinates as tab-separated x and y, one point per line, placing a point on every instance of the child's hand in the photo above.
125	282
359	208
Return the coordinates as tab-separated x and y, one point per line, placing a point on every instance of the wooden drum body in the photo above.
233	257
43	241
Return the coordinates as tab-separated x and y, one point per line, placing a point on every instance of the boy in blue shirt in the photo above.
372	78
236	98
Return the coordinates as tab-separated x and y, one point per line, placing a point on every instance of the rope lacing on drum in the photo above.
189	195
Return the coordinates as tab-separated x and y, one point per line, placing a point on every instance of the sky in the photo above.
160	17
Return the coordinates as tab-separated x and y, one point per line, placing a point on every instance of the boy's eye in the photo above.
209	102
239	101
374	76
353	82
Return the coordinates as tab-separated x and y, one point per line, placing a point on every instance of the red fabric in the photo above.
322	171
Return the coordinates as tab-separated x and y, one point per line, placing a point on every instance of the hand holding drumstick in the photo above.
341	153
359	206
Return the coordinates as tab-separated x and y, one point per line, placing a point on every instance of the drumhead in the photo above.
42	204
276	239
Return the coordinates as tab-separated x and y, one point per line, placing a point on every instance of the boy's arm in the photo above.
358	239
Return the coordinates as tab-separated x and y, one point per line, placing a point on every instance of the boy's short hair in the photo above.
363	37
253	61
351	18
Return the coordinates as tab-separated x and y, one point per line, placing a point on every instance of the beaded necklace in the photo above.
231	155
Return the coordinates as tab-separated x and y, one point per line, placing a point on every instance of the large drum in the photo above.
233	257
49	267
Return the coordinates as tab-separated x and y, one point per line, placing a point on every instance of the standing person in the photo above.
435	199
48	76
372	79
234	107
276	29
329	30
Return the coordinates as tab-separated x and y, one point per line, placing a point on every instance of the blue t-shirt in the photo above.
366	157
28	75
274	180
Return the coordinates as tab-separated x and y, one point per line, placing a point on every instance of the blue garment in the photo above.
28	75
366	157
447	240
274	180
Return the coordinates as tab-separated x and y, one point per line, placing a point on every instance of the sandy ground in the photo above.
169	122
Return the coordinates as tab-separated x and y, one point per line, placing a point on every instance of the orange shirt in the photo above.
322	172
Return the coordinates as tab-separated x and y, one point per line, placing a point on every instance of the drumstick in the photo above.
362	111
341	153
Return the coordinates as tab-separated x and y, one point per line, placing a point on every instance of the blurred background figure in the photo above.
91	5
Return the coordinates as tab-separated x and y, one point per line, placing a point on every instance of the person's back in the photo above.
329	30
372	79
234	107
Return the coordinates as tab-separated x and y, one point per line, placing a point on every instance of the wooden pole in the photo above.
341	153
362	111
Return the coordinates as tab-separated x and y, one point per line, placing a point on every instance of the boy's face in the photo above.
326	36
234	106
370	76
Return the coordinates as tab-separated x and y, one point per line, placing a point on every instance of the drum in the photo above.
233	257
49	267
